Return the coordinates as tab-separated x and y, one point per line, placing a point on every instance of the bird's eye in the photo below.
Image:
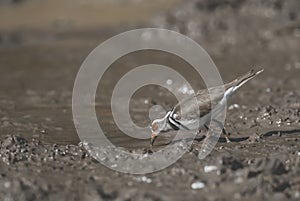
154	126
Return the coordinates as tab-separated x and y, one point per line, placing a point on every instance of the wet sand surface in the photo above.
42	157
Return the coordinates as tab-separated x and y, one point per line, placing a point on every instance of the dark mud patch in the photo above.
31	170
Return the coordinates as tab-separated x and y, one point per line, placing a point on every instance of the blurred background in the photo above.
43	44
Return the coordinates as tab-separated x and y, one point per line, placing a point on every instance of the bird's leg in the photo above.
226	135
208	134
223	131
200	129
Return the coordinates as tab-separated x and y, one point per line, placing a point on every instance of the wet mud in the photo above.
42	157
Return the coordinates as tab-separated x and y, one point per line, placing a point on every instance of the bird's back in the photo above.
204	100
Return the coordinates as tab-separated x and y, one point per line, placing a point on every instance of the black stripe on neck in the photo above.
174	123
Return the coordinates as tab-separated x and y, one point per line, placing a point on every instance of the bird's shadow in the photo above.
199	139
282	132
239	139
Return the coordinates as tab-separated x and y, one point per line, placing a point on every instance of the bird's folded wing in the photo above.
200	104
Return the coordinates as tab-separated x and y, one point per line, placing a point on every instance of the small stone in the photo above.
197	185
210	168
234	106
143	179
297	194
146	180
268	90
279	122
169	82
7	184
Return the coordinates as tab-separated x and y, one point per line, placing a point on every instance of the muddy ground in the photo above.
42	157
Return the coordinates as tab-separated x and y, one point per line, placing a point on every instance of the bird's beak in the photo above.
153	137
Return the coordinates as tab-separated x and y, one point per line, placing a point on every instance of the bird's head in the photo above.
157	126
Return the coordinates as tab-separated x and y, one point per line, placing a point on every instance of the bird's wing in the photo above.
206	99
200	104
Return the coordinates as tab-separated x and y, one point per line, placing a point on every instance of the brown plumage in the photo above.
206	98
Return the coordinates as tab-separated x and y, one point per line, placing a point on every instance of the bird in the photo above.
207	100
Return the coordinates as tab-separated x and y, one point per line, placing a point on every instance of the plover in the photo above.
207	100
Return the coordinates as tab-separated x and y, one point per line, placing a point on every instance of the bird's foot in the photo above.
227	139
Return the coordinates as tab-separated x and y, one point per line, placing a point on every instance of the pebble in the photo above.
197	185
210	168
7	184
297	194
169	82
143	179
234	106
268	90
146	180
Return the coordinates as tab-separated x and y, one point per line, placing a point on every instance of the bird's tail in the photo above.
238	82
